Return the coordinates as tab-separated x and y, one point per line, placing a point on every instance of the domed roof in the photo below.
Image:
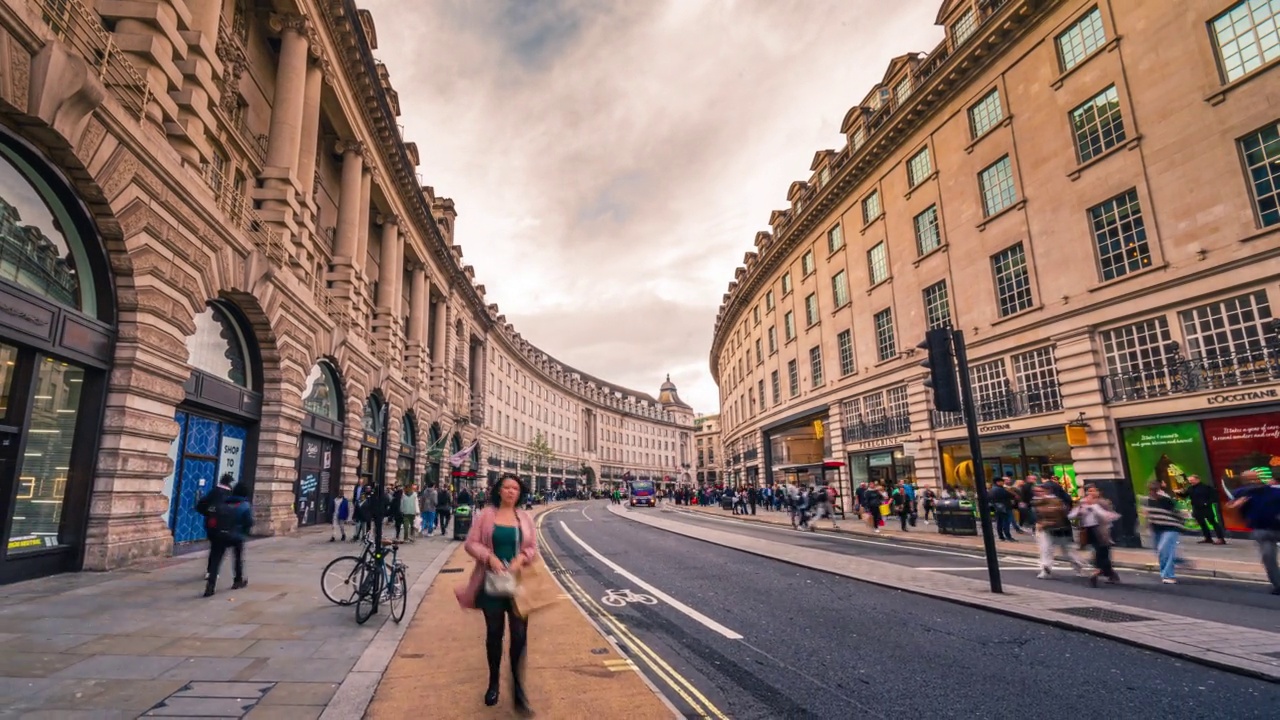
667	395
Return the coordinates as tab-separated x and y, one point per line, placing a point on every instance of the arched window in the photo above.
218	347
408	432
322	397
41	247
372	420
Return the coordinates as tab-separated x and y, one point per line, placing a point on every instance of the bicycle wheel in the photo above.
370	589
399	592
340	579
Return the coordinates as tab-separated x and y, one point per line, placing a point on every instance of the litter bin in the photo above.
955	517
726	502
461	522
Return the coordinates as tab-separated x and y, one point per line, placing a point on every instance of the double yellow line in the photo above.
657	666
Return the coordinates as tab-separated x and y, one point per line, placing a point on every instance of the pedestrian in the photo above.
502	541
930	499
1205	509
1166	521
871	502
229	517
444	508
340	512
1095	516
408	512
901	502
428	499
1003	502
1260	505
1053	531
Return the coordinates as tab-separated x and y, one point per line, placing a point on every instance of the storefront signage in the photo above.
911	449
879	443
1077	436
881	461
230	457
1251	396
999	427
372	439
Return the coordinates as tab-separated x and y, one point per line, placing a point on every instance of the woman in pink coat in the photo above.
502	540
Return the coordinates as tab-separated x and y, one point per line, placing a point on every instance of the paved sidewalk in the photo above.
1237	560
1243	650
572	671
142	641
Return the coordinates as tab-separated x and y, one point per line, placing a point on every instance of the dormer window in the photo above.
824	175
859	137
903	90
963	28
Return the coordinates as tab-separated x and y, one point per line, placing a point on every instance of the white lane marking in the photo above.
584	513
670	601
974	569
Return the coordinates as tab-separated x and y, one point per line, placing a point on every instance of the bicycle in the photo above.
341	578
383	580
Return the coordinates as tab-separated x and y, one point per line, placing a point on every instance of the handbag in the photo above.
502	585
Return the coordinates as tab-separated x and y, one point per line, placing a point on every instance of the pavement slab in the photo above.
568	672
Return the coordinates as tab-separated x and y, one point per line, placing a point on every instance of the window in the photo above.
824	175
1135	348
793	378
835	239
859	137
1081	39
1013	282
963	28
1262	159
885	345
1120	236
773	339
1233	326
777	387
789	326
815	366
755	315
1036	374
878	263
760	392
870	207
928	238
990	389
811	310
985	114
919	167
1247	37
902	90
751	400
786	284
806	264
996	182
844	341
768	301
1098	124
937	308
218	347
840	289
759	354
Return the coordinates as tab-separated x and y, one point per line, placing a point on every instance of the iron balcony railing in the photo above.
887	426
82	29
750	455
1009	403
1176	374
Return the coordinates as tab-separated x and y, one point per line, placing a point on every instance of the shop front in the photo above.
218	419
798	452
318	480
881	461
369	465
1216	447
1043	452
407	457
57	332
435	455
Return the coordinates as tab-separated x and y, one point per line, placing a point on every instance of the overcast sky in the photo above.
612	162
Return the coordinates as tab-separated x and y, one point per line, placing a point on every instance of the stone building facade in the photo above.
1086	189
706	436
218	257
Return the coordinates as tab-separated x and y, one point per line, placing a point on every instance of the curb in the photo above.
1193	655
1125	565
356	691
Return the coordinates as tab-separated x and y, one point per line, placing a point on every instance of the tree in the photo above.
540	452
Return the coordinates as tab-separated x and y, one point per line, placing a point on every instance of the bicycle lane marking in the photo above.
655	592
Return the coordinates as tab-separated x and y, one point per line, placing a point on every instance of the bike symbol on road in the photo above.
620	598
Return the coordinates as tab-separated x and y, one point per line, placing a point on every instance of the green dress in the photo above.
506	545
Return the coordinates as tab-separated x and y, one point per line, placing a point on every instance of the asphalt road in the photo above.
805	644
1248	604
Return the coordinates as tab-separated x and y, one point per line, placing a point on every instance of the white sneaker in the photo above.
1044	575
1168	581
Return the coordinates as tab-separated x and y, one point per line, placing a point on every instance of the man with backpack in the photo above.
228	518
1259	503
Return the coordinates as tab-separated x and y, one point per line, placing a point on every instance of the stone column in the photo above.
362	224
344	277
440	325
306	162
386	313
291	85
415	350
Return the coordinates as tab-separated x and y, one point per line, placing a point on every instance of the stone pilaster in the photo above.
1079	381
928	463
281	190
278	434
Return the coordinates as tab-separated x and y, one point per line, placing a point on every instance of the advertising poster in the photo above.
1248	442
1169	453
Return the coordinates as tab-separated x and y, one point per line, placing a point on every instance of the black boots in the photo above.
491	695
521	701
239	584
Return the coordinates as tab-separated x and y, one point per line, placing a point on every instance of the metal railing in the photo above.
81	28
240	212
886	426
1176	374
1009	403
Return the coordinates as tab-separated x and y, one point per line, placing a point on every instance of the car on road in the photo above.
643	494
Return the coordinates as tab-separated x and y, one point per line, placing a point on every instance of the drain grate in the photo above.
1102	614
211	699
446	571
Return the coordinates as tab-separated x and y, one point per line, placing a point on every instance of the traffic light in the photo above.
942	370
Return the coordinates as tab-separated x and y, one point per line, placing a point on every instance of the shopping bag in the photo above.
536	590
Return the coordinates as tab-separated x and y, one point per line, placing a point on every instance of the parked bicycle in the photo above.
383	581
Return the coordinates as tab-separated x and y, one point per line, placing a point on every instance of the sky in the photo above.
611	162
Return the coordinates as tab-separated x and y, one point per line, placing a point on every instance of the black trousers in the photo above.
218	548
495	621
1208	519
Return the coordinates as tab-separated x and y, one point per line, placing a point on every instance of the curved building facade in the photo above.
1088	190
217	256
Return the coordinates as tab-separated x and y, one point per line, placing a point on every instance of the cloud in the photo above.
612	162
